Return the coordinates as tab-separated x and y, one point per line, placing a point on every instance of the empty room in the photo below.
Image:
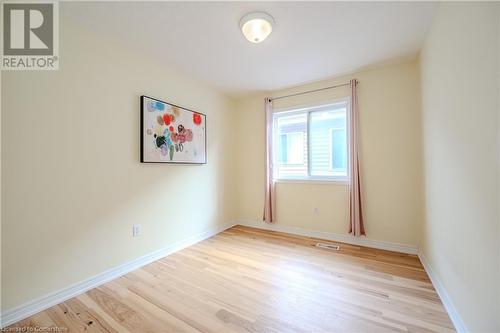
265	167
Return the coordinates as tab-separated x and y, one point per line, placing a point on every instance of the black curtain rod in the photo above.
311	91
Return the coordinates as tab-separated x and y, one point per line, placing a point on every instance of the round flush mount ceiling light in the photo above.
256	26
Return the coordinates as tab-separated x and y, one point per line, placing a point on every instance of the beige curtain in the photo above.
270	197
357	227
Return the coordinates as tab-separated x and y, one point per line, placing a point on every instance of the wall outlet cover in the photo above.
136	230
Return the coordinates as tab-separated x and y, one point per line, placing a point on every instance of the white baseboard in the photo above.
359	241
445	298
32	307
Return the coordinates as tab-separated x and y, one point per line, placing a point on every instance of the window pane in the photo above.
282	149
292	148
295	148
339	158
329	142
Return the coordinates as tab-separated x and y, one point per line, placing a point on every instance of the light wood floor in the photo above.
249	280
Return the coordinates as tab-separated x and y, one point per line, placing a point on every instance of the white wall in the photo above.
460	89
389	107
72	184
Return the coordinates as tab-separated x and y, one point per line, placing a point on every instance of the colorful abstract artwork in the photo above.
171	134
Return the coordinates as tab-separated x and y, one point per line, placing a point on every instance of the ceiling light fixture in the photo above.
256	26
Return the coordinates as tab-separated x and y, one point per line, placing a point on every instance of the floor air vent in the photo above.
328	246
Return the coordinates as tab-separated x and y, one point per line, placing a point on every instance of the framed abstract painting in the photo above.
172	134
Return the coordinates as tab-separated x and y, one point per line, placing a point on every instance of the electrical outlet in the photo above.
136	230
316	211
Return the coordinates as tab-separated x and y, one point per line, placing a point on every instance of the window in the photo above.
312	143
292	148
338	153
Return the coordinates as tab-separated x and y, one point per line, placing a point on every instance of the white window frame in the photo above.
308	109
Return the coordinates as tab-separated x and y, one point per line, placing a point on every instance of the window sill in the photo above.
314	181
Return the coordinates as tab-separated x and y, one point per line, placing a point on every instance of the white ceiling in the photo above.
311	40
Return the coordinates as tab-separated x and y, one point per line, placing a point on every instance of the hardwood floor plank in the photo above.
251	280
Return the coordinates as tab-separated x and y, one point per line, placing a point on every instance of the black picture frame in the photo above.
142	98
